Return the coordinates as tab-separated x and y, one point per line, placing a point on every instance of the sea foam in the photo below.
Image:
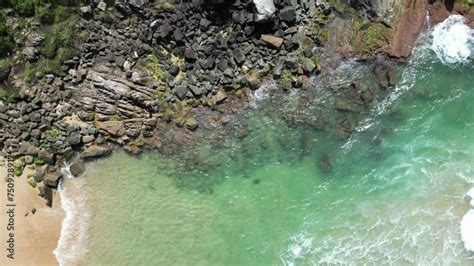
262	93
71	244
453	40
467	230
467	223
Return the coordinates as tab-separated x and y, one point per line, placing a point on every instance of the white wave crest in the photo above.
71	244
467	230
301	244
467	223
262	93
452	40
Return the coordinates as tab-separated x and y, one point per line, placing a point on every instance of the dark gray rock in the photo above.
178	35
288	14
51	179
190	54
196	90
174	70
239	56
46	157
47	194
74	138
77	168
180	91
38	174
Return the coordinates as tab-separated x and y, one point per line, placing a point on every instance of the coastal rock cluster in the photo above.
143	62
163	74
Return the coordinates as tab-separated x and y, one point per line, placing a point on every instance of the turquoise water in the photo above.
392	193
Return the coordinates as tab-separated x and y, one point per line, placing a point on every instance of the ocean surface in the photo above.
391	194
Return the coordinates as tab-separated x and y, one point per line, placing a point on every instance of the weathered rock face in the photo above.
440	10
408	28
191	64
265	9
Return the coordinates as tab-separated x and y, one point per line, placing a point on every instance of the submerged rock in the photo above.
191	123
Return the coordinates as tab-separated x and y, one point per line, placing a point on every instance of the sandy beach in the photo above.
36	235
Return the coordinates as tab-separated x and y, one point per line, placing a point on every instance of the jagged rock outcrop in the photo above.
408	28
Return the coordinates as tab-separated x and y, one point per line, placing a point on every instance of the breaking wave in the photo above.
76	222
453	40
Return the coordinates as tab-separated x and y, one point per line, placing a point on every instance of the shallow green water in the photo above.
393	194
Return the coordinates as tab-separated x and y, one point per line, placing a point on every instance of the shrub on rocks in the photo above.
4	70
6	38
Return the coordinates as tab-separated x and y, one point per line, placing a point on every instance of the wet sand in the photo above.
36	235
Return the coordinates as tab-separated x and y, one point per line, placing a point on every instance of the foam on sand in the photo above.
467	230
467	223
75	225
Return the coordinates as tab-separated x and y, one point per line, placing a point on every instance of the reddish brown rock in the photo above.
466	10
438	13
408	28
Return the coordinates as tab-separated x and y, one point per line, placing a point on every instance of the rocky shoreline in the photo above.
166	74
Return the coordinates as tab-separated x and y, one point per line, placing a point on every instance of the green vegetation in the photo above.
369	36
236	85
467	2
59	37
286	79
31	182
58	45
38	161
317	61
45	9
375	36
24	8
155	69
6	38
9	96
52	133
116	118
164	4
18	171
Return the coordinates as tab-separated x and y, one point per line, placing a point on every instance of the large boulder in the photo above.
114	128
265	9
51	179
77	168
96	151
